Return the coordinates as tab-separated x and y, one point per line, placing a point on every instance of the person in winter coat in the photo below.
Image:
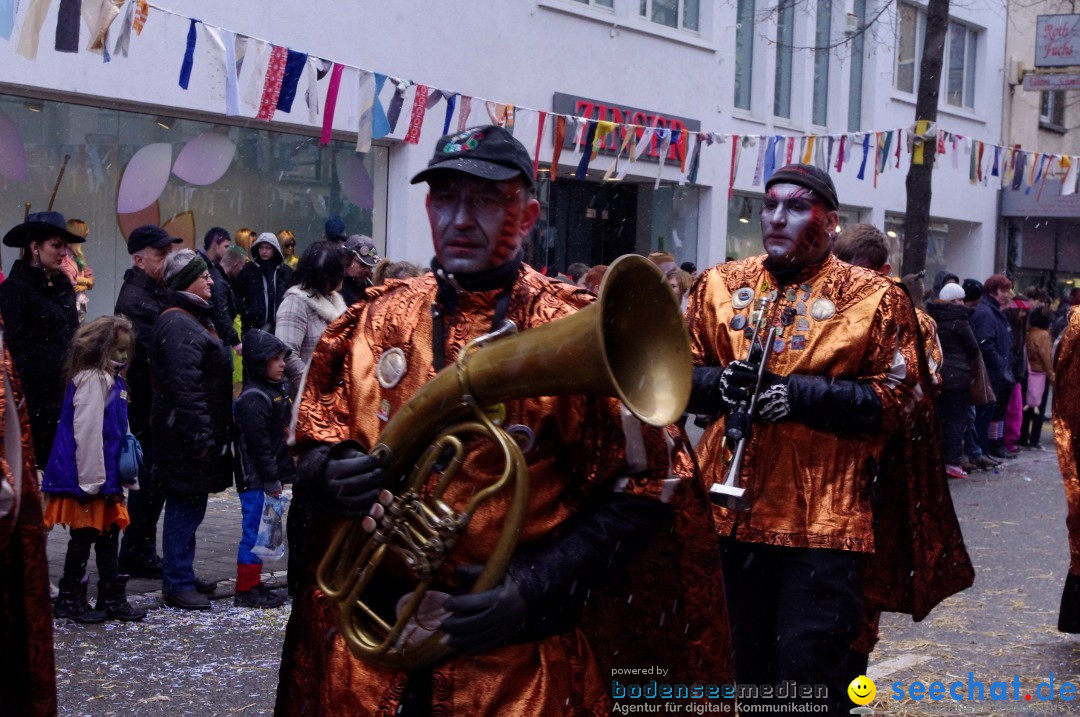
1040	377
216	244
959	351
192	419
941	279
310	306
994	333
263	411
361	258
38	306
82	478
305	313
142	299
262	283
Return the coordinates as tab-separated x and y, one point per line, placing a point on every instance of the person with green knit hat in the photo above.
191	419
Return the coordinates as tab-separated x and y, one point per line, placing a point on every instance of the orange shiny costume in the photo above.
668	610
27	670
931	348
808	488
812	488
1066	412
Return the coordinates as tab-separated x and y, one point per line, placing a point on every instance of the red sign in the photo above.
623	115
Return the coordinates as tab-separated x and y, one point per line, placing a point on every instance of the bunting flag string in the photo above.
266	78
189	55
7	18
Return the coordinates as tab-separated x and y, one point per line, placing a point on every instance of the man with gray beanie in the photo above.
192	420
804	547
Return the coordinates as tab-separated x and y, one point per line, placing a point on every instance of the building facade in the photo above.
104	136
1040	227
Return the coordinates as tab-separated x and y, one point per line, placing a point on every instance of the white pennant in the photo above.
366	103
254	61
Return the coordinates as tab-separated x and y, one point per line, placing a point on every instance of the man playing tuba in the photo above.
601	486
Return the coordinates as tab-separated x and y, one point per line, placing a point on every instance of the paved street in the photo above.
225	662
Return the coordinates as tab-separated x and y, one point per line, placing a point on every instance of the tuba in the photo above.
631	343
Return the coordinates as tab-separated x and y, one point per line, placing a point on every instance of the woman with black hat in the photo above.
38	306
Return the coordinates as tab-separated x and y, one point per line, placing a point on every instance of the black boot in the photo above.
1026	437
72	604
112	600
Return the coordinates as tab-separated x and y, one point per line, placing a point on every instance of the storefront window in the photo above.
275	180
595	222
935	246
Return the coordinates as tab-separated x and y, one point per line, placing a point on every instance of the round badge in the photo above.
791	294
742	298
773	294
391	367
779	346
822	309
738	322
524	436
497	413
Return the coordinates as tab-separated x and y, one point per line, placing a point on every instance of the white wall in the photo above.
522	51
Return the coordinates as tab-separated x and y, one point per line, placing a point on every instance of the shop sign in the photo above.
622	115
1057	81
1057	41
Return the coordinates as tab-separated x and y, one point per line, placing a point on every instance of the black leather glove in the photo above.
485	620
841	406
738	382
339	481
353	478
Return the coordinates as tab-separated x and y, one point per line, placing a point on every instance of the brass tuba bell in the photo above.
631	343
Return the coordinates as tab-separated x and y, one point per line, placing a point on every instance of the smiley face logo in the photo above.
862	690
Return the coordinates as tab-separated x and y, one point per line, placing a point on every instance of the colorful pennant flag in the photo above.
142	12
189	55
416	119
331	103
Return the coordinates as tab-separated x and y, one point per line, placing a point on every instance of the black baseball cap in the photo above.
488	152
809	176
149	235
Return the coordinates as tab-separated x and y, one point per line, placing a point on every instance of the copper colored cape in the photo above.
920	554
1066	412
668	610
27	672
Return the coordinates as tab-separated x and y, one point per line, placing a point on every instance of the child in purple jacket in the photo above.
82	478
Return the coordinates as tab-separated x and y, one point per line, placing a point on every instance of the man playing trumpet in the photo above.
601	485
842	374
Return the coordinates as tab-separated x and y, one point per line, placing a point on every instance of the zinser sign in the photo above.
1057	41
622	114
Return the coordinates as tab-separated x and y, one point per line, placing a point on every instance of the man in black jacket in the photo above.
262	283
215	244
142	298
994	333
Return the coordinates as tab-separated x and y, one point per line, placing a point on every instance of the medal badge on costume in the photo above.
497	413
383	414
798	343
391	367
779	346
822	309
802	324
524	436
742	298
738	322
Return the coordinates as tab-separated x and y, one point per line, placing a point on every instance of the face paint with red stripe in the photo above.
476	223
795	225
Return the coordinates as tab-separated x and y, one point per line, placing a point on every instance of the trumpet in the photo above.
737	426
631	343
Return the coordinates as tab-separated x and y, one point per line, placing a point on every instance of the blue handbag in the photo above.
131	459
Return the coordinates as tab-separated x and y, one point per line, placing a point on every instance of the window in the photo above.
961	48
822	38
910	29
1052	109
600	3
673	13
857	48
785	36
744	53
960	59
